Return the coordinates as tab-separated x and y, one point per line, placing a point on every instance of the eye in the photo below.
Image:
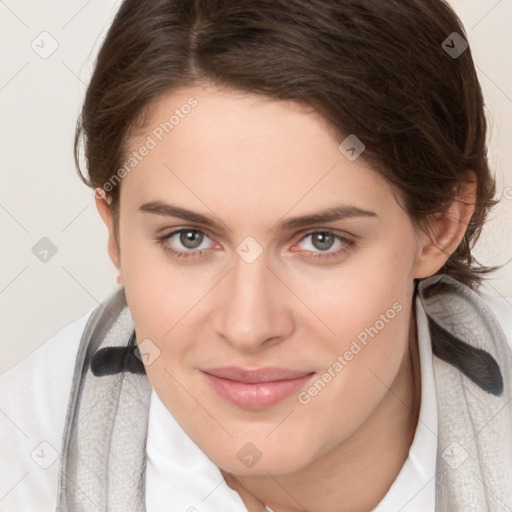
189	238
323	241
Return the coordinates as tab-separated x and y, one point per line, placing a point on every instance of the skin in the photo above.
251	163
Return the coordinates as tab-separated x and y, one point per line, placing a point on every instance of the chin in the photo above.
259	459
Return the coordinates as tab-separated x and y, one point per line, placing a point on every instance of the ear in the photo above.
105	211
446	231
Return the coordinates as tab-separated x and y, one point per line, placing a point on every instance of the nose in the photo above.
253	309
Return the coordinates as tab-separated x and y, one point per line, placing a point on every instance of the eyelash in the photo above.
348	244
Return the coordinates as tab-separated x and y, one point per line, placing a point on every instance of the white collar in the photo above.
178	472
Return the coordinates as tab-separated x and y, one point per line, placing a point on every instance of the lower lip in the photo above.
256	396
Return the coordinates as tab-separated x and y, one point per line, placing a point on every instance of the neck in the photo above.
357	474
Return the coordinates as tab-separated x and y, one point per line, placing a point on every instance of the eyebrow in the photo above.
335	213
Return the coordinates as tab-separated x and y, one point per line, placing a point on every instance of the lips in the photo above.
256	389
255	376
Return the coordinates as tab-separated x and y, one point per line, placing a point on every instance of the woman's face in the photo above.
249	284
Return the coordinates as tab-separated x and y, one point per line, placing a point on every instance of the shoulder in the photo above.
33	402
501	307
46	369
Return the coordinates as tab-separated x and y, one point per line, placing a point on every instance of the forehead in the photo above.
246	151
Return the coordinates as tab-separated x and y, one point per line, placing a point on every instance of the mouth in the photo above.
256	389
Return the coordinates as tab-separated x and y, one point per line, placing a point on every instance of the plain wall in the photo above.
42	196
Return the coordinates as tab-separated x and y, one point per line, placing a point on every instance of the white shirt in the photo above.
33	402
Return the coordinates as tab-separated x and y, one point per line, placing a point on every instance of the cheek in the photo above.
158	293
365	291
367	310
364	362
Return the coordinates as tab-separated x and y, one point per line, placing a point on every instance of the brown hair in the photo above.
376	69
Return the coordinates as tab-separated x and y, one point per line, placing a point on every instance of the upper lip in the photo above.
254	376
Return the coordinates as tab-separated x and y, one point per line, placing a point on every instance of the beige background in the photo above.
41	195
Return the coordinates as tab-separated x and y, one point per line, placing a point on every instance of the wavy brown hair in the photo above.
373	68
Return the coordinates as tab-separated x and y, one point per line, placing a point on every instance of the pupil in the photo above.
325	240
189	239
